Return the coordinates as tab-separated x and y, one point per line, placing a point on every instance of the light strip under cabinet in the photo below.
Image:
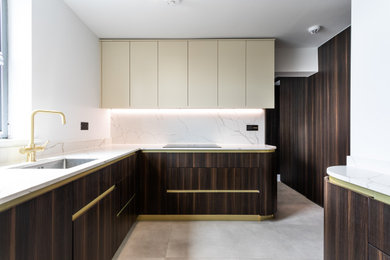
213	191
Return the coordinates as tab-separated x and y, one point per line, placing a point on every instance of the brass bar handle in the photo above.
213	191
92	203
127	203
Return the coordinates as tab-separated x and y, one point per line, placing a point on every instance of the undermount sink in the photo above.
191	146
65	163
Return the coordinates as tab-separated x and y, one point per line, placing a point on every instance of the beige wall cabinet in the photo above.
203	73
231	73
188	74
115	74
172	74
260	71
143	74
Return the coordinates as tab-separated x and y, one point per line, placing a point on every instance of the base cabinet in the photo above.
208	183
45	227
375	254
356	226
40	228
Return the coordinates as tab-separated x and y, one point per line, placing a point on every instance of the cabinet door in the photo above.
40	228
143	74
260	73
172	74
231	73
92	232
203	74
379	227
345	224
115	74
375	254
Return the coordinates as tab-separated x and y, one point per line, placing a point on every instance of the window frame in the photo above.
3	70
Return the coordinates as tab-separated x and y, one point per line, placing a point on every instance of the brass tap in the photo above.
31	149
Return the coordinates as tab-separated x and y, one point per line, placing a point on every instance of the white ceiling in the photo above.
285	20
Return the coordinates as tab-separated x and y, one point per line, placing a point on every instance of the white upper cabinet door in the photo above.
172	74
231	73
260	73
143	74
203	73
115	74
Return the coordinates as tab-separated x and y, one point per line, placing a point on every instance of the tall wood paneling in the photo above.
315	120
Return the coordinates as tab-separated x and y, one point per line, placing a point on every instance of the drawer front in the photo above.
213	203
379	225
213	178
218	160
375	254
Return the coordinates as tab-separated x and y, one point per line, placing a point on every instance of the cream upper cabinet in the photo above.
225	73
231	73
115	74
143	74
172	74
260	73
203	73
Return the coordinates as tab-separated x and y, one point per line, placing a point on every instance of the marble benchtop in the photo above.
15	183
371	180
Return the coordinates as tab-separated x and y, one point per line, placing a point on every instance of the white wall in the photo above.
370	91
296	62
65	74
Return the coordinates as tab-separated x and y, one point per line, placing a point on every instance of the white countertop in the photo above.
375	181
15	183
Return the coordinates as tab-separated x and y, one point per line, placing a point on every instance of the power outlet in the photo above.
252	127
84	126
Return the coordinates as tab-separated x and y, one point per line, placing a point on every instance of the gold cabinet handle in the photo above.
213	191
92	203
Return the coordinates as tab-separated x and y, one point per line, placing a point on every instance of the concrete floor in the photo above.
295	234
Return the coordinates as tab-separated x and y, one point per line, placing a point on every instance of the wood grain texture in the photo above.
379	235
38	229
375	254
207	171
315	120
345	224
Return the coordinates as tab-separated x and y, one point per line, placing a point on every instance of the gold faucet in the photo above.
31	149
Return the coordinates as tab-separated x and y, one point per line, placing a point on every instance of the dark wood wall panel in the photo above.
315	120
345	224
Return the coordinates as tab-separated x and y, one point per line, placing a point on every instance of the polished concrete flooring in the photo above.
295	234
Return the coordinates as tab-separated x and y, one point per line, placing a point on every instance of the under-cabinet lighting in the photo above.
188	111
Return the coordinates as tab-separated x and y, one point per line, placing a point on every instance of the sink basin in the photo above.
57	164
191	146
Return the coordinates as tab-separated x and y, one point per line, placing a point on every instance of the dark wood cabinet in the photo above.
345	223
375	254
208	183
379	235
40	228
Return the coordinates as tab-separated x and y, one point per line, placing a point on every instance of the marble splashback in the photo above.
9	151
187	126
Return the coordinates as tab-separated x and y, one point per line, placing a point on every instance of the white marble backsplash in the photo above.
187	126
9	154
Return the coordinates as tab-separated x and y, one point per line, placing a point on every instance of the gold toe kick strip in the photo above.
203	217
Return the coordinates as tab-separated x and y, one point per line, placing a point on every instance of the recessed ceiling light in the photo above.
314	29
172	2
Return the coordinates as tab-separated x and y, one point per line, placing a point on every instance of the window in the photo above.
3	71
